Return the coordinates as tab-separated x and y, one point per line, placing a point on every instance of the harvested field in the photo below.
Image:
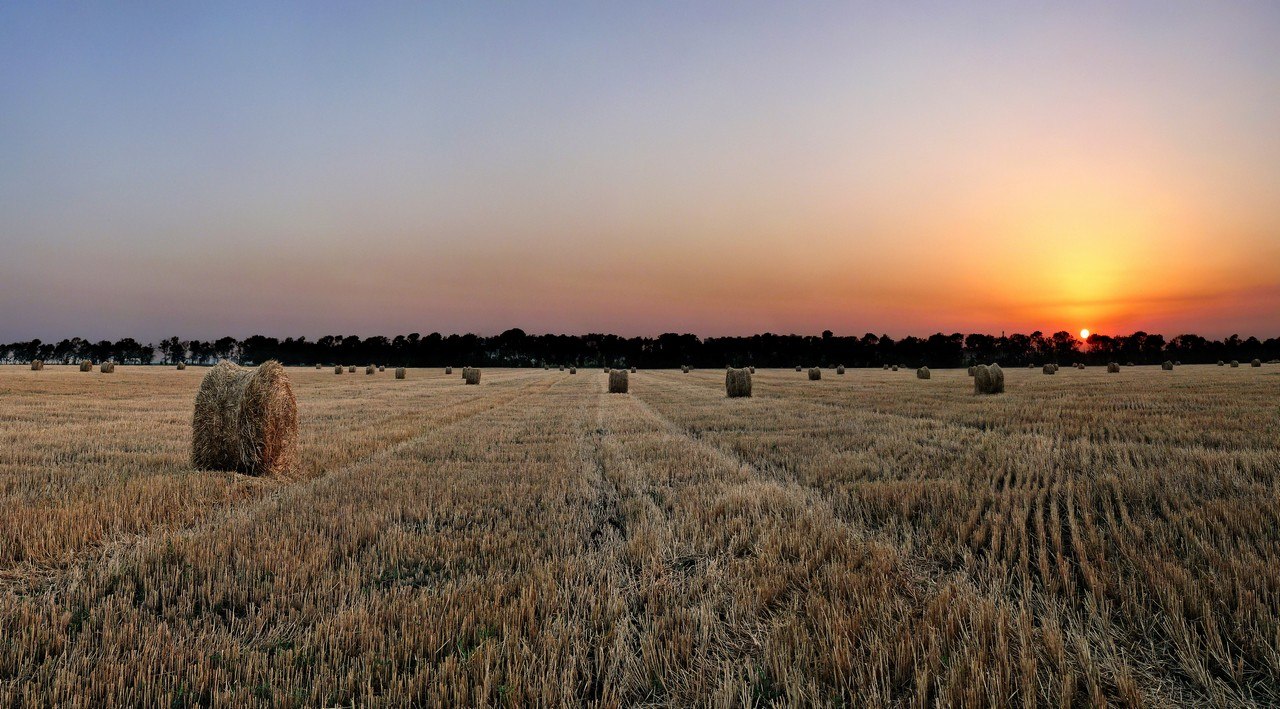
861	540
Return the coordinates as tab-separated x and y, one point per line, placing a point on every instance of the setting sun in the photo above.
1084	334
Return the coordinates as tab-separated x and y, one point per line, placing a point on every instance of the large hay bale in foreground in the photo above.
470	375
182	366
1049	369
815	374
1167	366
400	373
618	381
37	365
839	369
1254	363
737	383
86	366
107	367
245	420
988	379
1235	363
923	373
1113	367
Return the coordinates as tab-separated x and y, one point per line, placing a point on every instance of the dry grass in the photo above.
537	542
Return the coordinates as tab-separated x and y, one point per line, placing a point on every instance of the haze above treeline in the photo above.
515	348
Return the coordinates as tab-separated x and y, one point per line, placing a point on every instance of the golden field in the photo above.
870	539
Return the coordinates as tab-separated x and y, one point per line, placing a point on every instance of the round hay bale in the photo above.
573	370
752	369
1254	363
799	368
894	368
1221	363
107	367
1113	367
318	366
633	370
922	373
86	366
884	367
988	379
737	383
618	381
1049	369
245	420
815	374
182	366
972	369
400	373
351	369
839	369
1167	366
1129	364
337	370
448	370
1235	363
546	367
684	368
471	375
1177	363
1079	365
382	368
1031	365
562	367
37	365
369	369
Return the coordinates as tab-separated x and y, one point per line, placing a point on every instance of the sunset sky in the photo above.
203	169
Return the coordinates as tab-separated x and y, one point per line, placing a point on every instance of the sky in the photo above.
203	169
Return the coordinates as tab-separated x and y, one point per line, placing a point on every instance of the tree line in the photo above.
515	348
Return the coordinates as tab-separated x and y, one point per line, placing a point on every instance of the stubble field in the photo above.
870	539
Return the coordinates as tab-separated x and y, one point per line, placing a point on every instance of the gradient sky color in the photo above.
203	169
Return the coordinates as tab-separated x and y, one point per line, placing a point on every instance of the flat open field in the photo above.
868	539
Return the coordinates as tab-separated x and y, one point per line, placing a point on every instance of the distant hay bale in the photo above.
752	369
1221	363
471	375
448	370
1235	363
884	367
815	374
1177	363
1031	365
923	373
633	370
1055	368
400	373
318	366
86	366
37	365
562	367
369	369
988	379
245	420
1049	369
1167	366
546	366
1254	363
382	368
351	369
972	369
1129	364
182	366
1079	365
737	383
798	368
618	381
606	370
1113	367
894	368
337	370
107	367
573	370
839	369
684	368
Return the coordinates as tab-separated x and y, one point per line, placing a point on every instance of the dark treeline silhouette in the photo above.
514	348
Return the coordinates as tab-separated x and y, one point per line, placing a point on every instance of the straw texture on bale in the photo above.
737	383
1167	366
922	373
618	381
1048	369
37	365
107	367
1254	363
182	366
1235	363
839	369
86	366
1113	367
400	373
245	420
471	375
815	374
988	379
